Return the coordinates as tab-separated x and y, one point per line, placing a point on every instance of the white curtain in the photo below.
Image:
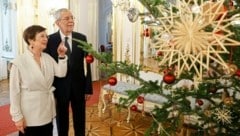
127	38
8	42
86	13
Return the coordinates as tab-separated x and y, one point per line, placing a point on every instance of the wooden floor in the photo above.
111	123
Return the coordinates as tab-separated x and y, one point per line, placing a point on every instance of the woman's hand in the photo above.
61	50
20	125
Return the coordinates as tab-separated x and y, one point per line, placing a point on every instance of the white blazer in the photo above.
31	90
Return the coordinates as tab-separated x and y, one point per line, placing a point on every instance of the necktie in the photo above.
68	49
67	46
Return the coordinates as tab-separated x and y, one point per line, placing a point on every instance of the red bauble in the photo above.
134	108
159	53
169	78
219	32
238	73
199	102
140	99
112	81
146	33
89	58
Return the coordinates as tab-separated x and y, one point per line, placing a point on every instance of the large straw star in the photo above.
185	40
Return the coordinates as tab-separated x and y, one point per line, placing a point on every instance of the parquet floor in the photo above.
111	123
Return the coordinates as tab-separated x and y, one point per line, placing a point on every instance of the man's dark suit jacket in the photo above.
75	78
73	87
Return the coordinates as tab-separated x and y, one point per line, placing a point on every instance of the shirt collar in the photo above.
63	36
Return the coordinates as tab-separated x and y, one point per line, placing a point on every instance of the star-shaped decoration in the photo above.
194	36
97	129
132	129
223	115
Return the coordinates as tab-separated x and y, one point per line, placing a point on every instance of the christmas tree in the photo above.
196	41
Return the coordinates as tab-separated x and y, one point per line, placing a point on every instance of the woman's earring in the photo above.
30	47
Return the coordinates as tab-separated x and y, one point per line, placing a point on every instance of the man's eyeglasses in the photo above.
68	18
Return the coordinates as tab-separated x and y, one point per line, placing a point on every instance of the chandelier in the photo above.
124	5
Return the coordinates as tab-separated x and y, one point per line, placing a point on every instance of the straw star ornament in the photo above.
194	36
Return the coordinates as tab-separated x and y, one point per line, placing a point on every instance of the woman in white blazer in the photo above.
32	104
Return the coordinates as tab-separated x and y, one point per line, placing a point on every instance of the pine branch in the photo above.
103	56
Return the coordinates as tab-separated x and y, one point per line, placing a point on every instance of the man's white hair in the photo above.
57	14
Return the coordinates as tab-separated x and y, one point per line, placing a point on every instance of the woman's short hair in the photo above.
31	32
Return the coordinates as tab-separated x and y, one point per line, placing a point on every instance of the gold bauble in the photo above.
228	101
232	69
